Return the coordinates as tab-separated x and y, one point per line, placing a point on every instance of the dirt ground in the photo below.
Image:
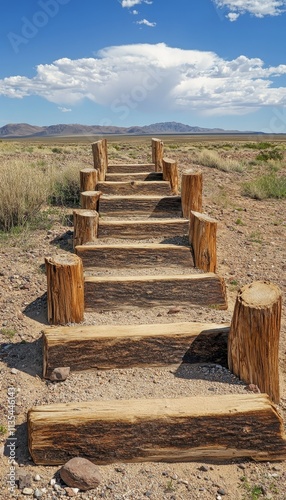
251	246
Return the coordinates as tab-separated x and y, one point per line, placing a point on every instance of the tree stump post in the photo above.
100	158
157	154
89	200
65	289
88	179
253	342
191	192
170	173
85	226
202	238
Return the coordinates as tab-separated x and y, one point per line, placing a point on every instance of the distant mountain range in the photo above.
17	130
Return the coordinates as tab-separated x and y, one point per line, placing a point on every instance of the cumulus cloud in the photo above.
258	8
63	109
155	77
131	3
147	23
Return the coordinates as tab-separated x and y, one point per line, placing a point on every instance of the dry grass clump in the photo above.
267	186
212	159
64	182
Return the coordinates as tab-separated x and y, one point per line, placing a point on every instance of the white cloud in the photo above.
147	23
258	8
135	12
63	109
155	77
131	3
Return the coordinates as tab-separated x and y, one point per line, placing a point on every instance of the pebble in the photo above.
38	494
27	491
14	371
37	477
221	491
204	468
53	482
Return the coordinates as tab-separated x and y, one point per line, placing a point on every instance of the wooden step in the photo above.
149	206
118	168
143	229
220	427
135	176
125	346
134	256
150	291
122	188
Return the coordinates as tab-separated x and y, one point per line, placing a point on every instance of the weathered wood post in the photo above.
88	179
191	192
253	343
90	200
170	173
157	154
85	226
202	238
100	158
65	289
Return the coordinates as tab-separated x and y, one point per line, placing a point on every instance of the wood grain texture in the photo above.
157	153
90	200
202	237
122	346
120	168
182	429
137	176
88	179
151	206
145	291
170	173
134	256
85	226
65	289
143	229
159	188
191	192
253	347
100	157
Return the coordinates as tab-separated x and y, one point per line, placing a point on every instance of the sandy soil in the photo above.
251	246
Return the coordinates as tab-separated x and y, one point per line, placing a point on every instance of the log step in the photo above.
134	256
170	430
149	206
130	167
135	176
143	229
135	187
150	291
125	346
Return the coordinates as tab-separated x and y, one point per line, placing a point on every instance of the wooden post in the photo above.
157	154
85	226
202	238
253	343
100	157
89	200
191	192
170	173
65	289
88	179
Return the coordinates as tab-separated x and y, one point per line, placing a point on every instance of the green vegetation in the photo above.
8	332
252	492
3	429
266	186
212	159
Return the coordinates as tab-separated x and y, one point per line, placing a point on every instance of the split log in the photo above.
123	188
150	206
143	229
157	154
128	168
90	200
100	157
135	176
85	226
202	237
170	173
224	427
65	289
253	346
191	192
144	291
122	346
88	179
134	256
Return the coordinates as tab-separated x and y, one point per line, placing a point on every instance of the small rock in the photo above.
37	477
24	481
252	388
174	310
53	482
14	371
80	473
57	488
28	491
204	468
71	492
148	494
241	466
218	497
221	491
38	493
60	374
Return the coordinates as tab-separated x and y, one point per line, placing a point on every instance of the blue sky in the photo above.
210	63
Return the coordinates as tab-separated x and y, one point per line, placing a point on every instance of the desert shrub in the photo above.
24	190
258	145
272	154
266	186
57	150
212	159
65	188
